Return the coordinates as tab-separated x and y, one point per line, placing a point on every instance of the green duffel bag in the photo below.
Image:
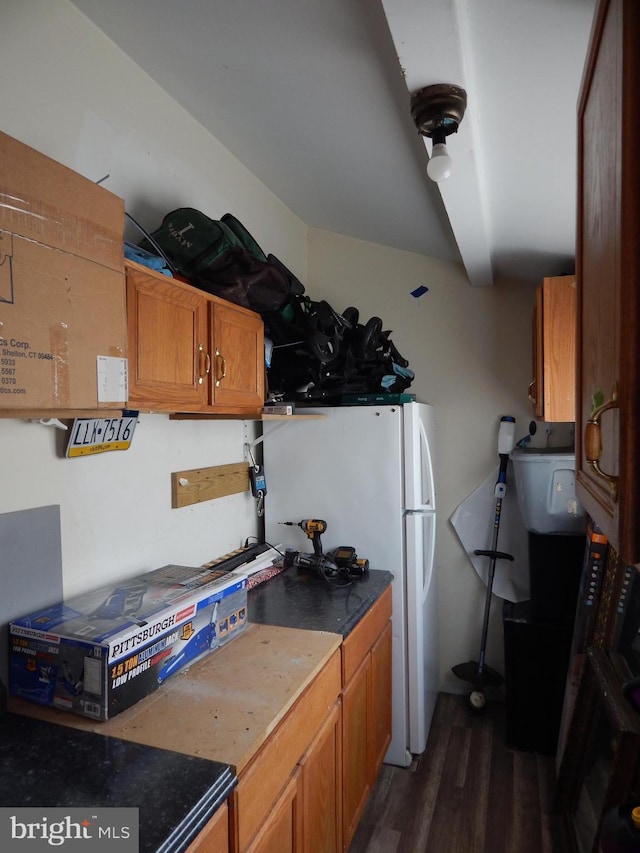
192	241
242	236
213	258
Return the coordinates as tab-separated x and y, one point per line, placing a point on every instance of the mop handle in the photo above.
506	438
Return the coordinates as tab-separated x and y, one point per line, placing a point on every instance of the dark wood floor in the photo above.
467	793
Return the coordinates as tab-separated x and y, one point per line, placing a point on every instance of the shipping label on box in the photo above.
103	651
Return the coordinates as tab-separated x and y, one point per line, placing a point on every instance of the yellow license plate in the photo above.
100	435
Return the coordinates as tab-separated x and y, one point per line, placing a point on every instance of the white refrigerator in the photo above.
368	472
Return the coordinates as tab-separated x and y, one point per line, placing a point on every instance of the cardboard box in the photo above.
103	651
62	286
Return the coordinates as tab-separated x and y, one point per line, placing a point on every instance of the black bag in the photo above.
221	257
318	354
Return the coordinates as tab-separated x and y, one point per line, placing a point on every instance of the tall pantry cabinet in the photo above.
608	279
599	763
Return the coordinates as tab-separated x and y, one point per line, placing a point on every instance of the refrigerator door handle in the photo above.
419	471
422	608
428	497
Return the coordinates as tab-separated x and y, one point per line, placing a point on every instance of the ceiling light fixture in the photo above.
437	112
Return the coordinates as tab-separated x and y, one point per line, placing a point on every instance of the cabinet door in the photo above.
559	348
608	273
238	357
280	833
281	754
380	701
552	391
214	838
356	765
167	326
322	789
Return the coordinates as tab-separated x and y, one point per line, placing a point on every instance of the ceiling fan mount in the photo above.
438	110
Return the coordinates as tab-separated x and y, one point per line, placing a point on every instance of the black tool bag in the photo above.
221	257
318	354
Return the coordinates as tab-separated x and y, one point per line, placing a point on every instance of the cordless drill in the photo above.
313	527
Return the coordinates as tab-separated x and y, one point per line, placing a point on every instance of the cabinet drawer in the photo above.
360	640
260	784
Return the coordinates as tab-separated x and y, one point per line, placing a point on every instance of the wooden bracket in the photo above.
205	484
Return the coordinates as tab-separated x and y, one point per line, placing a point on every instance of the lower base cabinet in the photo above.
306	817
366	710
281	832
357	777
214	838
322	788
380	698
306	789
289	794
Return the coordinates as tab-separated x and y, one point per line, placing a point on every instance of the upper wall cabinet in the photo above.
552	391
168	343
189	351
237	353
608	279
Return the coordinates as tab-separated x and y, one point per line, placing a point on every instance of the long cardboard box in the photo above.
100	652
62	286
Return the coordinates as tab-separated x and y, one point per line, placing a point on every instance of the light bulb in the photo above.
439	165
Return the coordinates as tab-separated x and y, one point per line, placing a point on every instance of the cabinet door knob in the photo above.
593	443
221	367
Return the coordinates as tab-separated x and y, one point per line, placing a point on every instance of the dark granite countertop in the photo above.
46	765
295	599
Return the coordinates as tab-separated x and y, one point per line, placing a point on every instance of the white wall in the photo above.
68	92
470	349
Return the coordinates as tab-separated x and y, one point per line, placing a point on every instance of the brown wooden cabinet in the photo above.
366	710
281	832
237	347
307	787
305	817
552	391
357	782
321	785
190	351
214	837
608	279
291	791
380	699
168	343
599	765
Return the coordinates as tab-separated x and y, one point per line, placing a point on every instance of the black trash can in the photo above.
536	658
555	567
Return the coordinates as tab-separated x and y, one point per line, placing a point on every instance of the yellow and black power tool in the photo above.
345	558
340	563
314	528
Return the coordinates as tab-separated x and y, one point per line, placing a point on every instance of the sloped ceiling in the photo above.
313	96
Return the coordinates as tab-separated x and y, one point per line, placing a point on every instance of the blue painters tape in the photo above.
419	291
